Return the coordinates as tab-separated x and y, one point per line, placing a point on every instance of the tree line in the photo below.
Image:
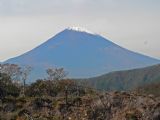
13	78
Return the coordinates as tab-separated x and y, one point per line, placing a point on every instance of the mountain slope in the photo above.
82	54
127	80
149	89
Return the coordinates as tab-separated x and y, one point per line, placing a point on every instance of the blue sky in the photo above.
133	24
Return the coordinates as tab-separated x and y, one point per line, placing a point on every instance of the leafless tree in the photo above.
25	71
17	73
56	73
11	70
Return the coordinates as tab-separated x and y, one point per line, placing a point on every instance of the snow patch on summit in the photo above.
80	29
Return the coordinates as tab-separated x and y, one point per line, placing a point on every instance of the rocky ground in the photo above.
95	106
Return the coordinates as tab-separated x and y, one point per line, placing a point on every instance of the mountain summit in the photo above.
80	29
82	53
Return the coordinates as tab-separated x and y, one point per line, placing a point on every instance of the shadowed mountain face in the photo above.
82	54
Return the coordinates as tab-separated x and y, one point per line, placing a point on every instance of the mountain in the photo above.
82	53
127	80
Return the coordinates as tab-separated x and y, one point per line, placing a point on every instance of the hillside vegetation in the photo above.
69	100
127	80
151	89
56	98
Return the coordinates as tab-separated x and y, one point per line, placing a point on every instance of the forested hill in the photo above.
126	80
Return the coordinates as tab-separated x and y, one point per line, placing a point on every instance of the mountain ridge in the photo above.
127	79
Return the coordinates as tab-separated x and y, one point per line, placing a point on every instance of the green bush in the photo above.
7	87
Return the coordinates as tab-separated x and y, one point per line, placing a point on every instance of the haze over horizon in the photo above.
131	24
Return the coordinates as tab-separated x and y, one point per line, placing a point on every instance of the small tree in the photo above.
7	87
25	71
11	70
56	74
16	73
